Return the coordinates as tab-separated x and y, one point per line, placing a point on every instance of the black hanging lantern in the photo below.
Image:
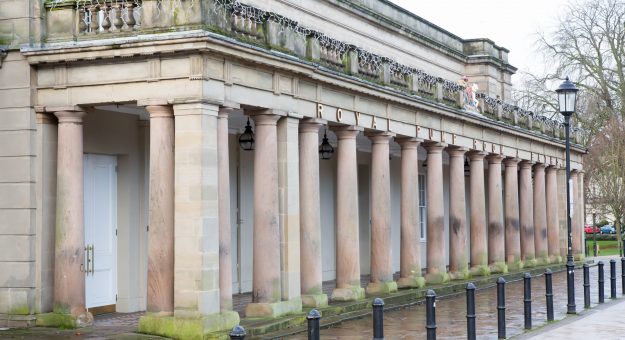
325	149
246	140
467	166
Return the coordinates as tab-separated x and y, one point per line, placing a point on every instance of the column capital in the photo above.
540	165
495	158
456	151
75	117
434	147
160	111
346	132
476	155
512	162
525	164
311	125
224	112
267	117
45	118
408	142
552	168
379	137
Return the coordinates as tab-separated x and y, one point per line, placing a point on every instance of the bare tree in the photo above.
588	46
606	163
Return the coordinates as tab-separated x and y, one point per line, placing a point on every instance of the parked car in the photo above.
589	230
608	229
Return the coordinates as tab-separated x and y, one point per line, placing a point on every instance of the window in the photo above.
422	205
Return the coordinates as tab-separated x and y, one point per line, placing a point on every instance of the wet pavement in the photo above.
601	322
409	323
121	326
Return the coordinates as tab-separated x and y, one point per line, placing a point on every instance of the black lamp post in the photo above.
594	233
325	149
567	93
246	140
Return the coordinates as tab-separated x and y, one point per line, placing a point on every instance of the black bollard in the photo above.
501	308
313	324
586	286
471	311
238	332
623	274
527	300
378	319
601	280
549	294
612	279
430	314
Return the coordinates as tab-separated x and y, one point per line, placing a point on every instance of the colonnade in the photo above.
516	224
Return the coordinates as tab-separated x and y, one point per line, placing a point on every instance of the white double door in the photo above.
100	197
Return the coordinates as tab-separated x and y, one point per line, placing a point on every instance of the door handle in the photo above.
92	260
85	268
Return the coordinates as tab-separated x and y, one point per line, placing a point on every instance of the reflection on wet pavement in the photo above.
409	323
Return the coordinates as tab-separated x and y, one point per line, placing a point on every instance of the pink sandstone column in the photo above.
381	267
266	286
458	262
496	237
310	221
436	268
576	219
553	223
160	298
347	227
526	214
479	235
69	279
513	235
540	215
225	258
410	257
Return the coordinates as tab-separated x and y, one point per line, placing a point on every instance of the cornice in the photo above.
192	42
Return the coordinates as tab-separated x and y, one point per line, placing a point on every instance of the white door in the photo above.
100	229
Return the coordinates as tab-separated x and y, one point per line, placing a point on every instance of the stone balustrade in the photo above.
109	17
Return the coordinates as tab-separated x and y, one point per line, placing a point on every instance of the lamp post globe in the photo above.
567	96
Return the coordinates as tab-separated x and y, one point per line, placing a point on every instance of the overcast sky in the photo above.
512	24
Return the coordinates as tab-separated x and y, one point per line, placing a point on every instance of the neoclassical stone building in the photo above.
124	187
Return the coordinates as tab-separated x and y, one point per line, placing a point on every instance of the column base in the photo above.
579	257
314	300
411	282
480	270
555	259
530	262
274	309
433	278
515	266
384	287
498	268
462	274
542	261
348	294
62	320
188	328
